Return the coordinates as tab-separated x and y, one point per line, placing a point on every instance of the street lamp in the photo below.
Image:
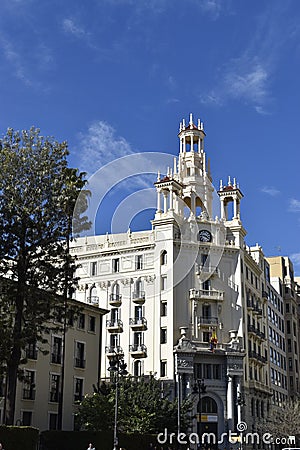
200	389
240	402
117	367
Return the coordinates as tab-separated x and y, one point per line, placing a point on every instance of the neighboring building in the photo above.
282	268
38	394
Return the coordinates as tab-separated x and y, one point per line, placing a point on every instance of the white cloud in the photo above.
15	59
70	27
101	145
294	205
212	7
270	191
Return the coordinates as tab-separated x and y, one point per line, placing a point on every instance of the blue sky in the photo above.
115	77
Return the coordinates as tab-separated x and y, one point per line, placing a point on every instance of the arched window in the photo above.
207	405
115	289
139	286
137	368
163	258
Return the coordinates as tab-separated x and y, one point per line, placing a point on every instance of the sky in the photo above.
115	77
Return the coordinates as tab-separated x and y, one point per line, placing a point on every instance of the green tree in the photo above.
143	407
284	421
37	197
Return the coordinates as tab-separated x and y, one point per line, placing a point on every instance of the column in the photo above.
235	208
165	193
223	210
229	404
158	201
192	143
171	199
239	406
193	204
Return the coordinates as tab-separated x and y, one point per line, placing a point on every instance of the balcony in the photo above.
115	300
79	363
114	326
201	294
256	332
250	305
138	323
28	394
138	297
208	321
258	386
138	351
204	271
257	357
93	299
111	351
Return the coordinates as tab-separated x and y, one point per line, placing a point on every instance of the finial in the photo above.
221	185
168	172
175	164
158	175
183	124
234	183
229	181
191	119
199	124
180	127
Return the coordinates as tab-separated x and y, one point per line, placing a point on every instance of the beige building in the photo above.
39	392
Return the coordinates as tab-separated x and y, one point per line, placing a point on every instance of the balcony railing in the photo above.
138	297
111	350
138	350
202	294
138	323
79	363
258	357
93	299
256	331
208	321
114	325
206	270
28	394
54	396
115	300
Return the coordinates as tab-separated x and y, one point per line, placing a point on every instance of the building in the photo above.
189	301
38	394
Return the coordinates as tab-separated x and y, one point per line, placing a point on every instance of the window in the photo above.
206	336
92	324
78	389
56	354
52	421
138	262
289	345
163	283
79	354
26	418
116	265
163	258
93	268
31	350
288	327
29	385
287	307
206	285
114	340
81	321
163	335
137	368
163	308
163	368
54	387
207	372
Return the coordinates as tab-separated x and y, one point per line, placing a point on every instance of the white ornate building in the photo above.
187	299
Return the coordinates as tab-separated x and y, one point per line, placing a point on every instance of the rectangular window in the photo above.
52	421
207	372
206	336
81	321
138	262
163	335
31	350
80	355
29	385
114	341
92	324
163	368
163	308
287	307
163	283
56	354
216	371
54	387
78	389
93	268
26	418
116	265
288	327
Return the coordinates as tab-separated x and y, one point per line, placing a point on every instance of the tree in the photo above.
37	197
144	408
284	421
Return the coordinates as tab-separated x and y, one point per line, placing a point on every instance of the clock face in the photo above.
205	236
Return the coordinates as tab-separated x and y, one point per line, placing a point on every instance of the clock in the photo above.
205	236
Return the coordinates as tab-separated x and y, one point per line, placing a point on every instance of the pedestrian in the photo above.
90	447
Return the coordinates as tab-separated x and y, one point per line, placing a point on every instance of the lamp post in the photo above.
240	402
200	389
117	367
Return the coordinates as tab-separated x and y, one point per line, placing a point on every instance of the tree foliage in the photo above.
143	407
284	421
38	192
